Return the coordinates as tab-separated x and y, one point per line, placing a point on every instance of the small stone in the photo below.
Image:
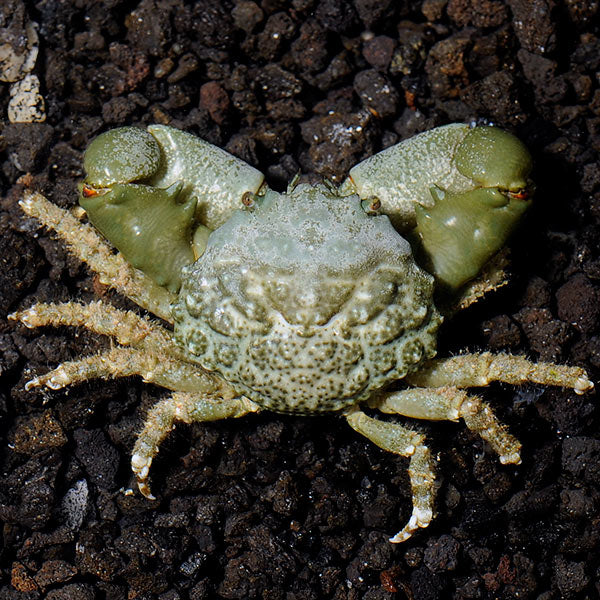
38	432
336	15
247	15
54	571
275	83
164	67
501	332
28	144
480	13
376	92
495	95
215	100
433	9
118	110
188	63
372	12
74	504
581	459
20	579
442	554
378	51
15	62
544	333
445	66
26	104
90	41
99	457
73	591
309	49
570	577
534	25
578	303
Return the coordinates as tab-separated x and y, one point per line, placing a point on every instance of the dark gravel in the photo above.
282	508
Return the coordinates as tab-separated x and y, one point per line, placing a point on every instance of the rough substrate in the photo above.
282	508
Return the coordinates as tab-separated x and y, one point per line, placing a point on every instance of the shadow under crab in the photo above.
305	302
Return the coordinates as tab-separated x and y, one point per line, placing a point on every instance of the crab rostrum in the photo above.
317	300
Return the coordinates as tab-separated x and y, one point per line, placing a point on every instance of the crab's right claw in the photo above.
156	195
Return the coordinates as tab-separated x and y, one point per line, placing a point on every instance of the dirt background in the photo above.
283	508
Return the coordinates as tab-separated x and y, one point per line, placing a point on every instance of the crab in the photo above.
322	299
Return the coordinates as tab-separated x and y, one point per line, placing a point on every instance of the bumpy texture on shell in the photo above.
307	304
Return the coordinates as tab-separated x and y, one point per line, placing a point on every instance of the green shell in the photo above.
307	304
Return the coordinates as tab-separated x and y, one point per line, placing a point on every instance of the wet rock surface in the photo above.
285	508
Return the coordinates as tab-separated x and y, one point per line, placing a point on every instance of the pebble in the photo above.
26	104
14	65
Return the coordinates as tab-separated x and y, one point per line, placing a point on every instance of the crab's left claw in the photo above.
457	191
462	231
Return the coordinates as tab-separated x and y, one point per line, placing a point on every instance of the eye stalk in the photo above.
371	206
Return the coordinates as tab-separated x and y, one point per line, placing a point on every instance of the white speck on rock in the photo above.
74	504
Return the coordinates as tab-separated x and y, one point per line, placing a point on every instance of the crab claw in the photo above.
457	191
157	194
150	226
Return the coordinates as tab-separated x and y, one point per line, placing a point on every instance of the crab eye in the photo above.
371	206
248	200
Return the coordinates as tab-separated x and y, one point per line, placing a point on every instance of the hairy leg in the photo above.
451	404
398	439
185	407
161	370
83	241
128	328
473	370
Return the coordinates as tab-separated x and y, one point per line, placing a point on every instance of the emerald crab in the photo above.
317	300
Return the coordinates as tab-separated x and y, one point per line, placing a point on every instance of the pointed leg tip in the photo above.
27	317
583	385
400	537
33	383
140	465
514	458
26	202
420	519
145	489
